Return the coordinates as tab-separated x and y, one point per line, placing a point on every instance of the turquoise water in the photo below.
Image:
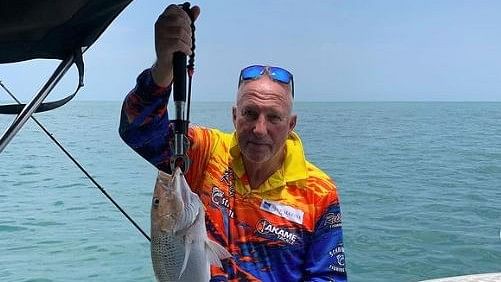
420	185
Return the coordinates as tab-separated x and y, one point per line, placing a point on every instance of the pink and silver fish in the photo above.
180	248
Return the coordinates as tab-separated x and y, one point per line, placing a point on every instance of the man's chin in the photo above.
256	158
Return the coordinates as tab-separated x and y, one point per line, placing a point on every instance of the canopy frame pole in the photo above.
30	108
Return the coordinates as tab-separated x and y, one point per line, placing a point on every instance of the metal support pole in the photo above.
30	108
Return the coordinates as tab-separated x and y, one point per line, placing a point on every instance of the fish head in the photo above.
166	206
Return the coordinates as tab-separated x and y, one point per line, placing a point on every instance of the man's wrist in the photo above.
162	76
147	88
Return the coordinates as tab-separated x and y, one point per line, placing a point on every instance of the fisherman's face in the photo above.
263	119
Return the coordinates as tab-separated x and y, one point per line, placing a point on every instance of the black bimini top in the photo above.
49	29
52	29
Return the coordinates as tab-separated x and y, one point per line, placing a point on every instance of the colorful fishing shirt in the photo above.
289	229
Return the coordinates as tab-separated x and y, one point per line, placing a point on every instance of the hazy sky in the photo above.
445	50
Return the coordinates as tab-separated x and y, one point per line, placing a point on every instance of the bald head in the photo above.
265	90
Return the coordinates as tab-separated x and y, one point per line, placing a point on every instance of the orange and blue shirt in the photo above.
289	229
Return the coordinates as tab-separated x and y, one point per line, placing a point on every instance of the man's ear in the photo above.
234	114
292	122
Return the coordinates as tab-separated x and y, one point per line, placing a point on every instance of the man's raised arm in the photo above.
144	122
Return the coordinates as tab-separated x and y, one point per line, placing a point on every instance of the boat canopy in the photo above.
50	29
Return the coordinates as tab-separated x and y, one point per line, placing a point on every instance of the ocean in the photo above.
420	188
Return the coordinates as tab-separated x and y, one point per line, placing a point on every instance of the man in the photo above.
275	212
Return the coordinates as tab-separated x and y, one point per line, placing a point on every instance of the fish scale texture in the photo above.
166	256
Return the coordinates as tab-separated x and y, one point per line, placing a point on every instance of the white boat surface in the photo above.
484	277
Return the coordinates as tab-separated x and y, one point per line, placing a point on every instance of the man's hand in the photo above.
172	34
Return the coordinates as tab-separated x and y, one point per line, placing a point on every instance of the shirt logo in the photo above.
338	254
287	212
333	220
264	227
228	178
219	199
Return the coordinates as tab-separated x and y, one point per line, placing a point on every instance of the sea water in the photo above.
420	188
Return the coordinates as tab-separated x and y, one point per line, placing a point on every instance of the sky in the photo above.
337	50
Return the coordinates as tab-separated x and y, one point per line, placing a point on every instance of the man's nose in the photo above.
260	126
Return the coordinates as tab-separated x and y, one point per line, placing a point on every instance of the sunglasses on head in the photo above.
275	73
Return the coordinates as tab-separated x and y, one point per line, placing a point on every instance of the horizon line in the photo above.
302	101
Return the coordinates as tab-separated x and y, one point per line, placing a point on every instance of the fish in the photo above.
180	247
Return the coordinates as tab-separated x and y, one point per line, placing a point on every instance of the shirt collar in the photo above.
292	170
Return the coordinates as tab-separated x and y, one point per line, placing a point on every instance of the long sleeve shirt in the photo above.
289	229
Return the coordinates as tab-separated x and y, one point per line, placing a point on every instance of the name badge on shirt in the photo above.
290	213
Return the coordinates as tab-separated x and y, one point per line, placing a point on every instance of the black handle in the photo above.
179	66
180	141
179	69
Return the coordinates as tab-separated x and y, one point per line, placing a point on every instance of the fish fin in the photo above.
187	247
215	252
191	203
189	216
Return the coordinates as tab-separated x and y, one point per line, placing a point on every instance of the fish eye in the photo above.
156	201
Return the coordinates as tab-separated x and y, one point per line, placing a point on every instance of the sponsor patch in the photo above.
287	212
271	231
